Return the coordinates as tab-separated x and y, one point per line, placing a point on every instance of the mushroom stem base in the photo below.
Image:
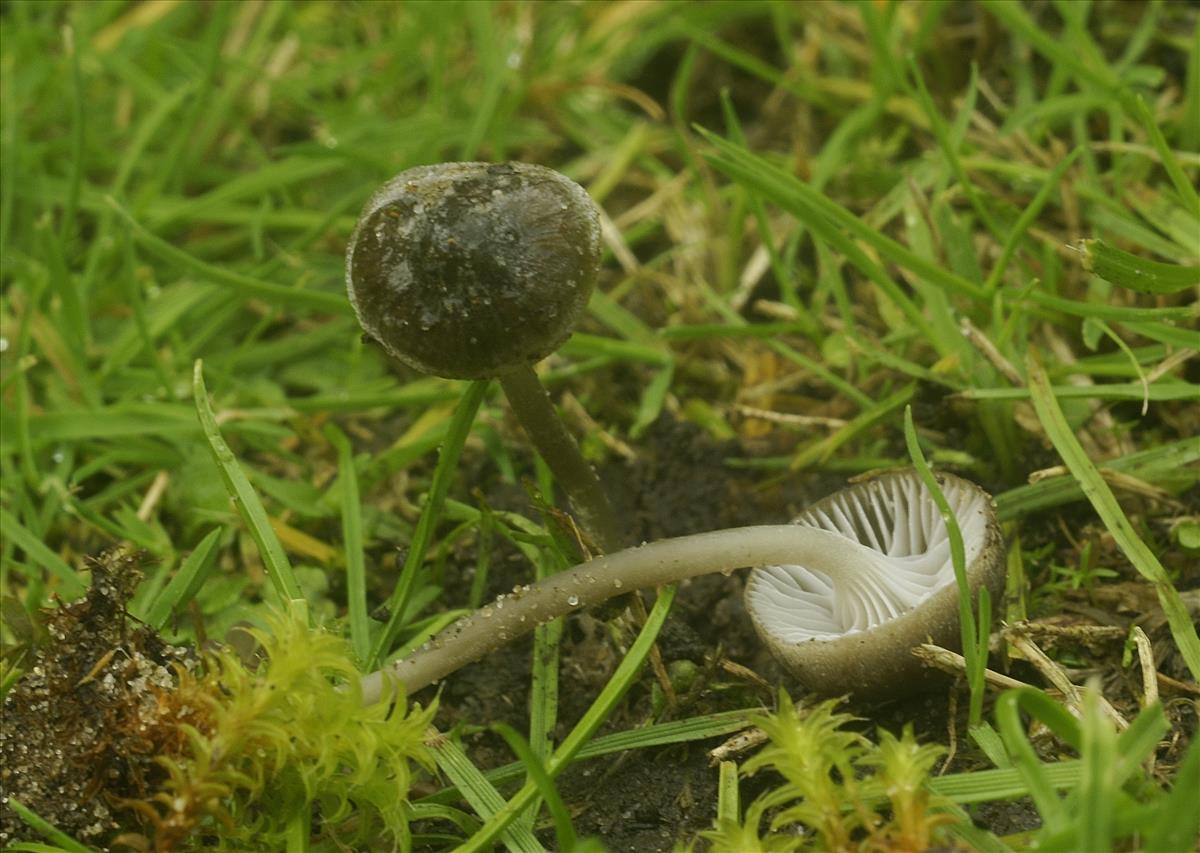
531	404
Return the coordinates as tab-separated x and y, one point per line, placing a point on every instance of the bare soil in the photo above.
649	799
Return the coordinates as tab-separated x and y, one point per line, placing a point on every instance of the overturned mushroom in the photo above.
841	633
853	585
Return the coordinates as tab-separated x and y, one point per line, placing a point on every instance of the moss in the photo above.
119	739
840	792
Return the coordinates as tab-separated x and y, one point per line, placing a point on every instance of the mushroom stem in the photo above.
531	404
665	561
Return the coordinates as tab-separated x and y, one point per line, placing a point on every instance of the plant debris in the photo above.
83	726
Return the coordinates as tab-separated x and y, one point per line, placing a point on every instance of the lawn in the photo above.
835	238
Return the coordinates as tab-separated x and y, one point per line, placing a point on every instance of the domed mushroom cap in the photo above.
465	270
855	633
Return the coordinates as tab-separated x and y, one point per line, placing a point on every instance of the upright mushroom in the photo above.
855	583
477	270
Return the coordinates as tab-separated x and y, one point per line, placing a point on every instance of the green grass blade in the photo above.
1189	122
1054	814
948	144
435	811
1161	332
645	737
246	286
1128	270
1138	742
249	507
798	198
1027	217
78	129
1099	785
12	530
564	832
976	663
1089	67
479	793
783	273
604	704
1110	512
1174	461
650	405
1005	783
419	393
1179	179
45	828
1158	392
988	740
820	451
760	177
187	581
1178	821
1111	312
352	546
728	805
443	474
120	420
73	312
737	322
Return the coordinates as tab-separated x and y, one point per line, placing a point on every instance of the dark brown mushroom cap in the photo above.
465	270
875	660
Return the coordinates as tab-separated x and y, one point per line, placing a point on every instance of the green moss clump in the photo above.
285	744
840	792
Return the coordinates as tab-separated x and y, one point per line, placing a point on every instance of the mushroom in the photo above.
842	633
477	270
850	587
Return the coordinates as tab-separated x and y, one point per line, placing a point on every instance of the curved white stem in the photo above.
661	562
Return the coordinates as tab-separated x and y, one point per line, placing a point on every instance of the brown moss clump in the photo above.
83	726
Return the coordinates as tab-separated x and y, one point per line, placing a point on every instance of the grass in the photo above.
828	212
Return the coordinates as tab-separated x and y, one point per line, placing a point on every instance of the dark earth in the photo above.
650	799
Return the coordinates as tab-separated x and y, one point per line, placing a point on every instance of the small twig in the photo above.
1149	673
747	674
656	659
651	206
1169	363
1149	679
612	237
97	668
951	726
1046	632
789	419
1174	684
578	415
955	664
1016	636
736	745
153	496
774	310
1118	480
984	344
